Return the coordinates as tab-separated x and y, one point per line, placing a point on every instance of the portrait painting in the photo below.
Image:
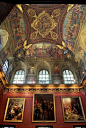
73	109
14	110
43	108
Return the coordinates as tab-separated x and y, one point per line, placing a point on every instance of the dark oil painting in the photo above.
43	108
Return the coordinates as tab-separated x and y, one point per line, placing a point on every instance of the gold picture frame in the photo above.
43	108
72	109
14	110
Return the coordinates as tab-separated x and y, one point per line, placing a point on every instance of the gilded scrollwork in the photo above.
43	24
56	12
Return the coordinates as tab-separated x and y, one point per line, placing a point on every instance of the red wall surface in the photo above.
27	117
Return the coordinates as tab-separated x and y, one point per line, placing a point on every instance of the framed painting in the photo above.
79	126
44	126
73	109
7	126
43	108
14	110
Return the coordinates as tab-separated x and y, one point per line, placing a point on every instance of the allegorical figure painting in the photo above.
43	108
72	109
56	69
31	69
45	50
14	110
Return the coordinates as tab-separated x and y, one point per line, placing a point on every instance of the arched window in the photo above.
19	77
5	66
43	77
68	77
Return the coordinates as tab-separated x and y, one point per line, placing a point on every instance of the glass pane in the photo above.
40	76
65	75
68	78
47	82
14	81
43	76
17	72
63	72
70	72
6	63
43	71
65	78
20	72
72	78
19	78
40	72
15	76
47	75
66	71
46	72
43	79
65	81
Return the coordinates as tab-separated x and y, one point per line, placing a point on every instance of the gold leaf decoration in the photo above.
26	46
34	35
31	12
44	24
63	46
70	6
20	8
56	12
54	35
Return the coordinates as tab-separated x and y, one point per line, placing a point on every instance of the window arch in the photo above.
43	77
5	66
68	77
19	77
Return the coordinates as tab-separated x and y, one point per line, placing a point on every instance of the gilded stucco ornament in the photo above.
43	24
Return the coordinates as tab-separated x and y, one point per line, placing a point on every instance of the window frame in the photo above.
68	77
19	76
43	79
5	66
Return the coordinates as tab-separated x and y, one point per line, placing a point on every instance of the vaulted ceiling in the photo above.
43	31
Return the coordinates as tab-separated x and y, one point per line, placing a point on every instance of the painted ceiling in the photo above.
45	31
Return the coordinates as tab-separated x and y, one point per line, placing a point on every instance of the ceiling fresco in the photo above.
43	50
45	31
32	30
17	25
71	25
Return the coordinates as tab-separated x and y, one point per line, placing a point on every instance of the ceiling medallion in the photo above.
43	24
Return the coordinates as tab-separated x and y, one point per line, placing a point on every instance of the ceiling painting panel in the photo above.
39	30
71	25
43	50
17	27
44	22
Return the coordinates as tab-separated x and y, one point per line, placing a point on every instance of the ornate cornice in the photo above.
27	88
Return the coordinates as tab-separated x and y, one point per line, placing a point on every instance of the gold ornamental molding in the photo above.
27	88
44	23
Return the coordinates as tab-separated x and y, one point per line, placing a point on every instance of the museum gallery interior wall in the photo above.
27	116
